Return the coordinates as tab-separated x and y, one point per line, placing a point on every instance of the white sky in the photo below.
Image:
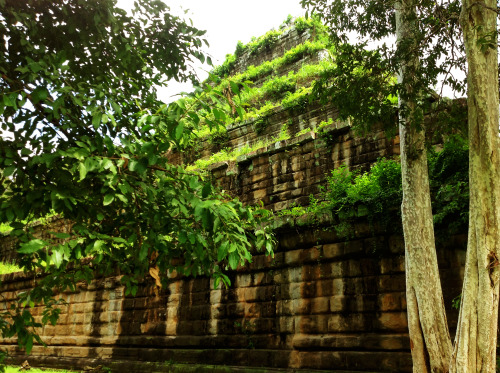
227	22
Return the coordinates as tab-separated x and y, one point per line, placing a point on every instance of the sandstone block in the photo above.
394	321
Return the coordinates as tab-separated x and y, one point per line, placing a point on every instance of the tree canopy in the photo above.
85	137
368	60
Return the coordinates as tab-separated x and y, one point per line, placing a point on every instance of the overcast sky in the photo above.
227	22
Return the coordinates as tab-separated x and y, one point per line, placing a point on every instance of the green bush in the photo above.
302	24
265	41
240	49
225	69
449	175
277	87
269	39
377	194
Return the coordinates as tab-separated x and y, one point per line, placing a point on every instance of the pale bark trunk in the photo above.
429	336
476	338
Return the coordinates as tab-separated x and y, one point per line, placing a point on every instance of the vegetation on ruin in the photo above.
267	40
9	268
375	195
228	155
259	91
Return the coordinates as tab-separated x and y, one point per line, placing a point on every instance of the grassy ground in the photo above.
34	370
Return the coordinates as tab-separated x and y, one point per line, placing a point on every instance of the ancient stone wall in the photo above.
289	171
321	303
287	41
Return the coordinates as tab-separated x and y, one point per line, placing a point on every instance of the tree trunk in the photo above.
476	338
429	336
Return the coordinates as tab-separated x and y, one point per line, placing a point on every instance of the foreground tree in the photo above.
476	338
84	137
429	336
426	31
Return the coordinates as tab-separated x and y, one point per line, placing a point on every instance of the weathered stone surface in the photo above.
321	306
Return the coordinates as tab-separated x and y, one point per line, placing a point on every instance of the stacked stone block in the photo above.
321	303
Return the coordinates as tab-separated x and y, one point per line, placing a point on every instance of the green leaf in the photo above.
116	108
182	237
222	252
122	198
179	130
35	67
9	171
137	166
39	94
234	260
143	253
108	164
61	235
240	112
29	344
56	258
99	245
96	120
32	246
83	170
10	100
234	87
207	188
108	199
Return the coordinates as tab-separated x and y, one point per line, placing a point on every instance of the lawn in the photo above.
35	370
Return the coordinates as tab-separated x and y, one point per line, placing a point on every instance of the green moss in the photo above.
9	268
226	155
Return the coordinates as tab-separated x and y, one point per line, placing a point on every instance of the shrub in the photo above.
277	87
240	49
377	194
449	175
225	69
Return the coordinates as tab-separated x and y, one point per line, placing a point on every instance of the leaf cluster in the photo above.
85	137
361	86
375	195
449	174
435	42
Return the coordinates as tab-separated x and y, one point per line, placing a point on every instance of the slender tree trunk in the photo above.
429	336
476	338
